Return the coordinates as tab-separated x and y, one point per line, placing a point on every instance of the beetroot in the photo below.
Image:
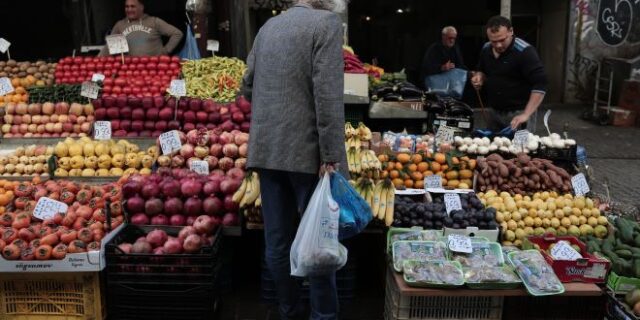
131	188
225	163
141	247
193	207
149	190
173	206
156	238
140	219
230	219
211	206
191	188
153	207
173	246
177	219
135	204
160	220
166	114
192	243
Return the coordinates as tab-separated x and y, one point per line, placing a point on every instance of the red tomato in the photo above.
108	81
124	67
161	72
74	67
135	60
100	66
91	66
83	67
136	73
153	59
164	58
126	90
147	94
106	89
108	65
129	73
144	72
107	74
139	66
153	72
116	89
120	82
136	91
175	59
75	73
77	60
144	60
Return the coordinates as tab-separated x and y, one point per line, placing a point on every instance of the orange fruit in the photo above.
455	160
408	183
394	174
416	158
398	183
399	166
436	167
15	82
453	183
444	167
466	174
384	174
419	184
452	175
412	167
423	166
472	164
416	176
427	173
390	165
440	158
383	158
403	158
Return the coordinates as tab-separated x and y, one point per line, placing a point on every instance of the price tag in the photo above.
200	167
459	243
117	43
213	45
433	181
445	134
97	77
563	251
90	90
4	45
521	138
546	120
452	202
580	185
170	142
178	88
5	86
46	208
102	130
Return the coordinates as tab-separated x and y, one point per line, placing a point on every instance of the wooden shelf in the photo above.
573	289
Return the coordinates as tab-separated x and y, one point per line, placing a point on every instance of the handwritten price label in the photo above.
117	43
563	251
459	243
5	86
580	185
4	45
178	88
46	208
213	45
102	130
445	134
97	77
452	202
200	167
433	181
89	90
170	142
521	138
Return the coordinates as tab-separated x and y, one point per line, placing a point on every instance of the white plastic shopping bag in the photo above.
316	249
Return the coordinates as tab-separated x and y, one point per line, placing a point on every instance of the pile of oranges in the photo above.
20	86
410	170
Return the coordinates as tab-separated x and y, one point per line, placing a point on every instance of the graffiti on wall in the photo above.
598	29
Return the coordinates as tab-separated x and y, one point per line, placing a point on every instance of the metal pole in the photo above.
505	8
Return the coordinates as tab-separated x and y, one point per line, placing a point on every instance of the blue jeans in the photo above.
285	196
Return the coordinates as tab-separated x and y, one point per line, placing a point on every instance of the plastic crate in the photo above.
399	306
148	286
51	296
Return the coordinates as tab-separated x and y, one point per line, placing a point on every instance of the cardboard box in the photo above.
621	117
356	84
590	268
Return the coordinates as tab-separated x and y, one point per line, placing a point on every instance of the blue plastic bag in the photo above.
355	212
450	83
190	50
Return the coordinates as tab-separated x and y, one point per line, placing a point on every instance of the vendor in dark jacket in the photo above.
512	75
443	55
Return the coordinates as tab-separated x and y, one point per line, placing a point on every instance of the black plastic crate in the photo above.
555	154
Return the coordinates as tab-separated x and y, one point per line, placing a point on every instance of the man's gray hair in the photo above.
449	29
337	6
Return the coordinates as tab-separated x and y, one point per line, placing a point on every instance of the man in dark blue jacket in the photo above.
512	74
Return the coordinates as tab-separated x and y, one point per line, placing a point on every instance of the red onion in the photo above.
212	161
153	207
215	150
173	246
246	126
243	104
229	186
173	206
236	173
141	247
230	150
156	238
177	161
226	137
226	163
193	206
160	220
229	204
186	231
177	220
135	204
192	243
191	188
211	206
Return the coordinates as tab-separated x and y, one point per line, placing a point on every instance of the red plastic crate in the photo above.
589	269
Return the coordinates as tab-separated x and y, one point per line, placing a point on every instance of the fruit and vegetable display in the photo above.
544	212
137	76
223	150
6	194
433	273
484	146
521	175
352	63
26	161
410	170
85	157
47	119
217	78
41	72
68	93
177	197
621	247
433	215
536	274
417	250
190	239
80	229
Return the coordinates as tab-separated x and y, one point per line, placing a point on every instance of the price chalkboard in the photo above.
170	142
46	208
102	130
117	44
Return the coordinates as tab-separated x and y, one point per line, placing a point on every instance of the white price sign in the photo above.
445	134
200	167
433	181
5	86
563	251
459	243
521	138
4	45
452	202
213	45
178	88
580	185
46	208
102	130
90	90
170	142
97	77
117	43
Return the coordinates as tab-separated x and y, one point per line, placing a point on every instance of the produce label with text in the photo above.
102	130
200	167
445	134
46	208
178	88
97	77
117	44
329	226
580	185
452	202
433	181
5	86
170	142
563	251
521	138
459	243
213	45
90	90
4	45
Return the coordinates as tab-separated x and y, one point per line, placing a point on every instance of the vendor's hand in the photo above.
519	120
328	167
477	79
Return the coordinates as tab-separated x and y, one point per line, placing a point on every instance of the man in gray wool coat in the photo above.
295	83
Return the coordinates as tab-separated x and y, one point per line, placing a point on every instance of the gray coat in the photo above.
295	83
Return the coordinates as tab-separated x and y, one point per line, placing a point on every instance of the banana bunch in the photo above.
248	195
361	160
380	196
364	133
